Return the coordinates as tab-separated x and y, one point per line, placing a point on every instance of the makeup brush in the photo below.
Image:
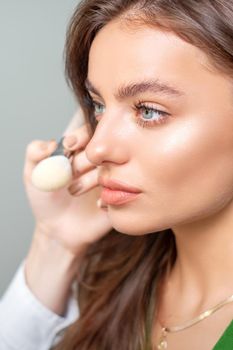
54	172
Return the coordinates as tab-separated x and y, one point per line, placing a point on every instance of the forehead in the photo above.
118	54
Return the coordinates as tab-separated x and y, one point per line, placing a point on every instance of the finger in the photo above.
81	164
78	139
36	151
101	204
84	183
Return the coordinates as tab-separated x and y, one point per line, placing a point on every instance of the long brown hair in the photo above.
120	274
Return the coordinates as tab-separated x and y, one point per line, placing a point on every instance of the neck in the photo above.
203	271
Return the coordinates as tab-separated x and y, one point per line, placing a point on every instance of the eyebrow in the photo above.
135	88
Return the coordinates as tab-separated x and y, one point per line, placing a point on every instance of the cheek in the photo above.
186	174
190	164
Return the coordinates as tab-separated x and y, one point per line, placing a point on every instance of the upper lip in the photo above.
117	185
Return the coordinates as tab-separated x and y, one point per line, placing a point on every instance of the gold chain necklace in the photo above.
162	344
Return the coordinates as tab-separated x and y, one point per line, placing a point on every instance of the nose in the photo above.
109	143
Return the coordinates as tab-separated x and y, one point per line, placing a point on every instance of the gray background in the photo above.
35	103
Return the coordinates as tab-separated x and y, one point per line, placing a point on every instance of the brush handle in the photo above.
59	151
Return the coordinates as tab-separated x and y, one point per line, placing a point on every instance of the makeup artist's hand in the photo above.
66	223
70	217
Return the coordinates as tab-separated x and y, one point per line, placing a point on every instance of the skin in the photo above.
183	166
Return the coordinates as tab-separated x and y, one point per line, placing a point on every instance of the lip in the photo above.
116	192
118	185
114	197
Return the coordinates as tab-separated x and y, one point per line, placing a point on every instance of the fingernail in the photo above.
75	189
78	191
100	204
69	141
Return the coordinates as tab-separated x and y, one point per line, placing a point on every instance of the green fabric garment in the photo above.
226	340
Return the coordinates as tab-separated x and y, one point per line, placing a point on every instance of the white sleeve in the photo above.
25	323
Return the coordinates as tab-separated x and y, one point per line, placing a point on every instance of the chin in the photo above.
136	228
139	221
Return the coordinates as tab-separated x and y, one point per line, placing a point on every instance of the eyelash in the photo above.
163	116
140	105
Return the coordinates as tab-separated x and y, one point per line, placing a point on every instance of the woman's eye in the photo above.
97	108
148	116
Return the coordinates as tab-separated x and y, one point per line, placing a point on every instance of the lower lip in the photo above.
117	197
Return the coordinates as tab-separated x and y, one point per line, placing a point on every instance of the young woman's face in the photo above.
181	159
